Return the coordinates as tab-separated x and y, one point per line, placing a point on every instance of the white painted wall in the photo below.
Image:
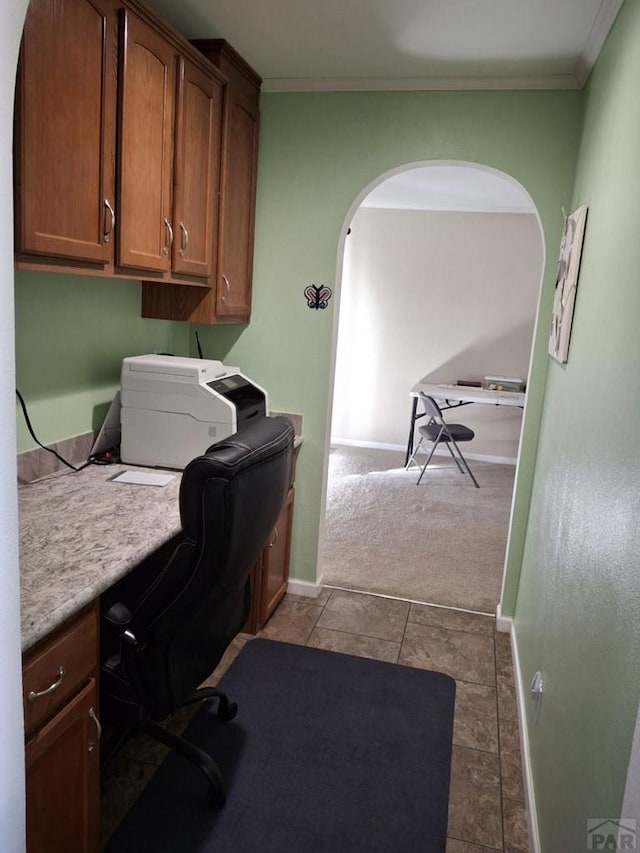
11	728
444	295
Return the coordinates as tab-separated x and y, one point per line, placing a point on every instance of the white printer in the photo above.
174	408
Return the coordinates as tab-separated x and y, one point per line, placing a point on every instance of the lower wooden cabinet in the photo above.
270	575
62	746
62	771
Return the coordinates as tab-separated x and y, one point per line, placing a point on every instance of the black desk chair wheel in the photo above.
166	625
438	431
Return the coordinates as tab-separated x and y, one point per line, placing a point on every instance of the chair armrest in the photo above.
117	620
118	615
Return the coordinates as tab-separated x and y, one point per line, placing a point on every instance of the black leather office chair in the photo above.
166	625
438	431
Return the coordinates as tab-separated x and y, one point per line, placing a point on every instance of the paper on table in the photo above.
143	478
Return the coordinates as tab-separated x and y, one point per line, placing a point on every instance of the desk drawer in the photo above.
56	669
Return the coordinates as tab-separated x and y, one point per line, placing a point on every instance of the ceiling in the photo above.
359	45
450	187
394	45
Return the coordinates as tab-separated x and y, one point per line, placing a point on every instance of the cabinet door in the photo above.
148	74
197	170
62	780
275	563
237	208
65	130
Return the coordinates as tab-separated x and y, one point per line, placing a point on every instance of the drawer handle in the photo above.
33	695
94	743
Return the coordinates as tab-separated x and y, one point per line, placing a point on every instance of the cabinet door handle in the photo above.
107	234
94	743
275	537
33	695
227	286
169	243
185	239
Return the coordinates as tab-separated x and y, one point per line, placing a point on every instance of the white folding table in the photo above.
450	396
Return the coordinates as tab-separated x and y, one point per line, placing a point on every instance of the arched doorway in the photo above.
445	285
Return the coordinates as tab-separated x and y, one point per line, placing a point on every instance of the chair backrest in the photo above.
431	408
230	499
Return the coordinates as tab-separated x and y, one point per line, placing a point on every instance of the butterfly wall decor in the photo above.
317	296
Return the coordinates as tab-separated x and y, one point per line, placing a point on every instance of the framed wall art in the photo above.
566	283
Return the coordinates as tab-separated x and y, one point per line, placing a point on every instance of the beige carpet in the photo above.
441	542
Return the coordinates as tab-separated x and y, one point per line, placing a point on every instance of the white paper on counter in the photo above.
143	478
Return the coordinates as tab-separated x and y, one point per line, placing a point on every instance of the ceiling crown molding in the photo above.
603	22
418	84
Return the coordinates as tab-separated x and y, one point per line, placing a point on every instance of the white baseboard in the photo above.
529	791
503	623
485	457
478	457
374	445
311	590
379	445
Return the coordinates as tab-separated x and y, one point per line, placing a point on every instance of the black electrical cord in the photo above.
198	344
38	442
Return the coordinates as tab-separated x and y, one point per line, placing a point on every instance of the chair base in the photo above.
203	761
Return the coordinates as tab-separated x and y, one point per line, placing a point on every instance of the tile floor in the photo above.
486	804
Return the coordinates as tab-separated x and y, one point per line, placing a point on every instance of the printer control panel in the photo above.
248	400
229	383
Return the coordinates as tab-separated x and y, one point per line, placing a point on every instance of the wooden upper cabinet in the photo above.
65	130
197	170
228	299
238	184
238	205
146	126
136	155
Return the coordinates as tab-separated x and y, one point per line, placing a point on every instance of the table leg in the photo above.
414	406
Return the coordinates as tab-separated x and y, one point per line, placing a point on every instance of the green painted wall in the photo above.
578	608
317	153
72	333
578	599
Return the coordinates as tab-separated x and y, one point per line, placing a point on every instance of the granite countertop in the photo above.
79	533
